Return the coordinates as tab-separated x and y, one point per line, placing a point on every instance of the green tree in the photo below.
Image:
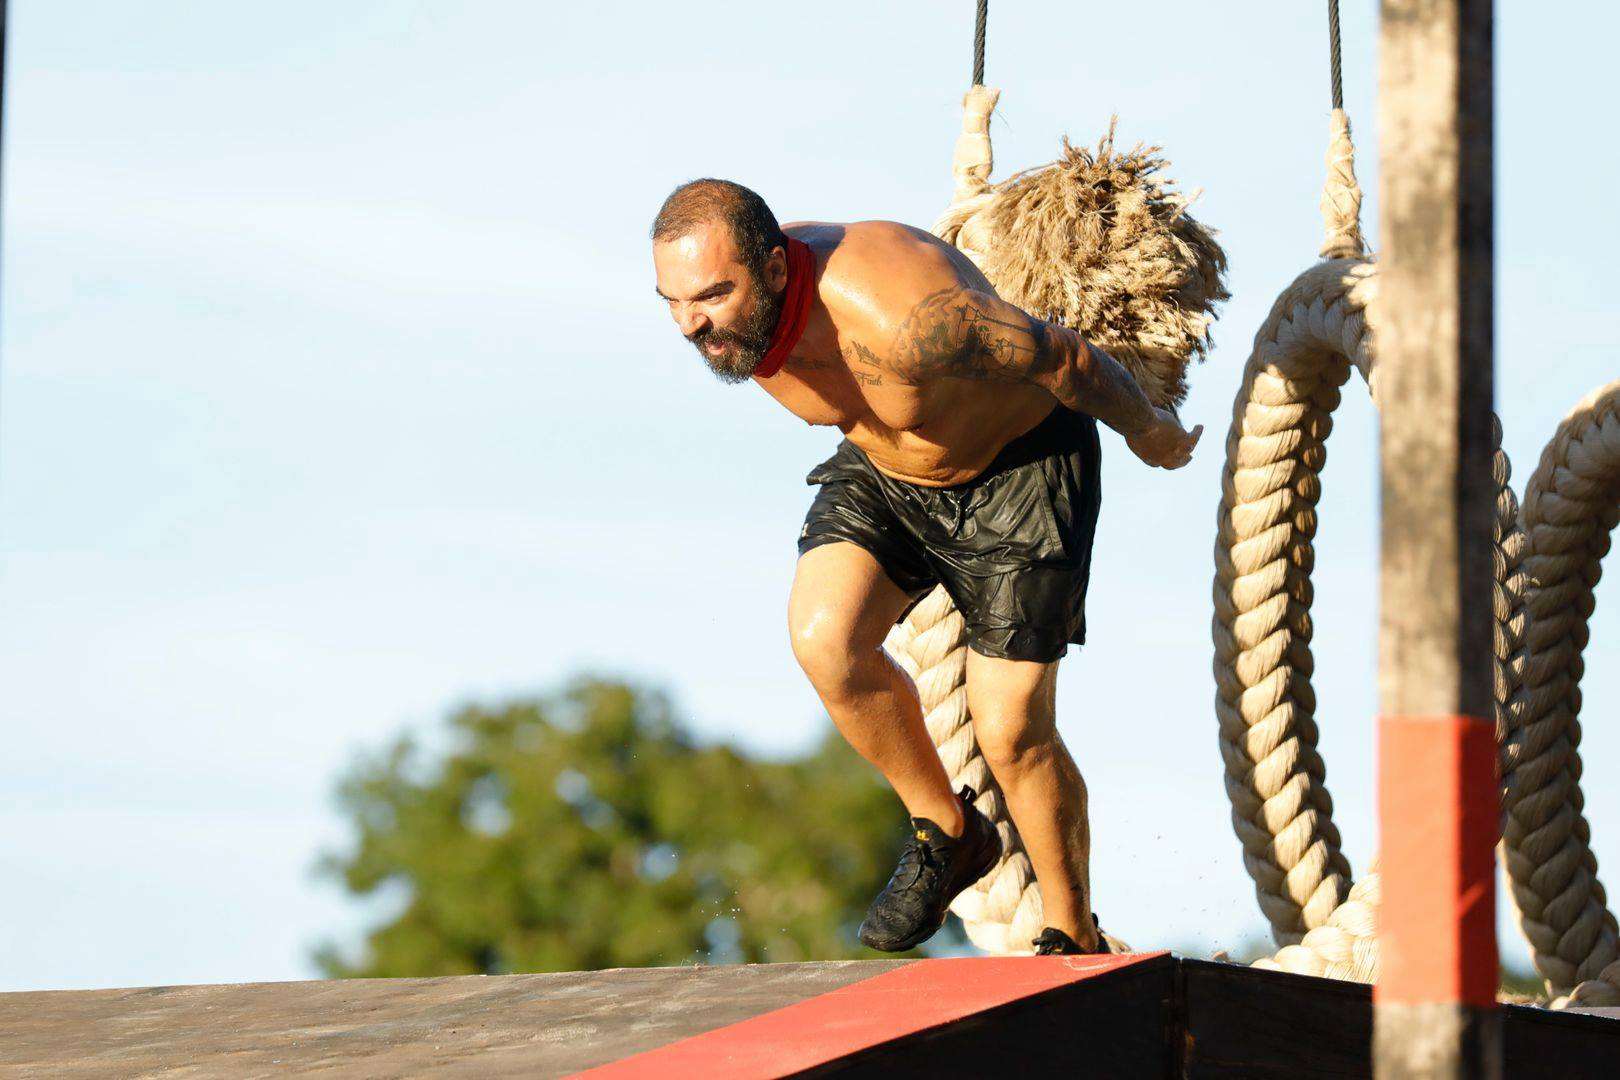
589	830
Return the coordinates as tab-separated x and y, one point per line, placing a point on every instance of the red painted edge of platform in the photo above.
900	1002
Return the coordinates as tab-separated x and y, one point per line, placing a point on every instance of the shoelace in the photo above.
917	857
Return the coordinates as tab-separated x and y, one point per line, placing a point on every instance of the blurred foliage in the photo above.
1522	986
589	830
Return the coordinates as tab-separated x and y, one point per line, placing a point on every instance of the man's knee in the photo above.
1014	739
826	646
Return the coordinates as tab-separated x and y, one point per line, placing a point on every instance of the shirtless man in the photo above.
970	459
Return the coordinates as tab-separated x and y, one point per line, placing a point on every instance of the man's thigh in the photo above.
1020	693
842	596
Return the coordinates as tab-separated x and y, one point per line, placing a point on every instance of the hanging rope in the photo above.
1571	506
979	21
1547	560
1545	569
1264	552
1341	195
1146	287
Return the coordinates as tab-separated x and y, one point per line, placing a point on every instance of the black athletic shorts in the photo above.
1012	546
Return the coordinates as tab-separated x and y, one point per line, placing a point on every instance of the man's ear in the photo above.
776	269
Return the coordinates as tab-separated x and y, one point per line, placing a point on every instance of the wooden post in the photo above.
1436	1010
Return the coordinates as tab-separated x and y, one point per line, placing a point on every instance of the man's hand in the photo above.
1164	443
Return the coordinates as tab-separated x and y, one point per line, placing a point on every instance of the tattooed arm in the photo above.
963	333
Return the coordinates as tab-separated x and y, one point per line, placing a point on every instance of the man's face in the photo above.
719	304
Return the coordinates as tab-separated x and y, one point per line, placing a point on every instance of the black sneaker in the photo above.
1052	942
934	868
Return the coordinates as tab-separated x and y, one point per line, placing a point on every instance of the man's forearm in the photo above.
1088	380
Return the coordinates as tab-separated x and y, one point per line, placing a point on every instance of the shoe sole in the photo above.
927	932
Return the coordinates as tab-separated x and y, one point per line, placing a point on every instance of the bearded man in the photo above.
971	460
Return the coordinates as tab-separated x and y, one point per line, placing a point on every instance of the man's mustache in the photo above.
713	333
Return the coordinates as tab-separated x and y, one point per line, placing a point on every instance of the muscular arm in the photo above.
940	319
967	334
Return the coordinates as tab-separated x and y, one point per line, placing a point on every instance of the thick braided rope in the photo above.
1571	505
1265	704
1346	946
1275	779
1262	596
1002	911
1545	570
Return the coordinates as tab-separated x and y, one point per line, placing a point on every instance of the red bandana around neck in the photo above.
801	286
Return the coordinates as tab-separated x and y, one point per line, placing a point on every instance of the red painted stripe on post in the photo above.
1437	809
900	1002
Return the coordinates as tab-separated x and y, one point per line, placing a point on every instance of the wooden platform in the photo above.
1147	1015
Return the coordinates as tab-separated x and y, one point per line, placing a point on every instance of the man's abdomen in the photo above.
962	438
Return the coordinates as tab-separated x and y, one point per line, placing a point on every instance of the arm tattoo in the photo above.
1106	390
964	334
956	333
811	363
862	355
870	364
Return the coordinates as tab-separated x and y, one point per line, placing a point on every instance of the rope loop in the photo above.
1264	554
1571	506
1547	561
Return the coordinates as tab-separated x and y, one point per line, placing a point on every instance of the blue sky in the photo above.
334	394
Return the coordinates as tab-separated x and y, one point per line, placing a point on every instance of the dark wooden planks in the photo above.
1248	1023
1240	1022
1539	1043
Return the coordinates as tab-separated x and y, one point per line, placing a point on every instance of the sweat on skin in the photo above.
906	348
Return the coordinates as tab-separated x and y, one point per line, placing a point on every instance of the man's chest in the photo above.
829	389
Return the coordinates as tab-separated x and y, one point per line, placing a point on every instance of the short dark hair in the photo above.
698	202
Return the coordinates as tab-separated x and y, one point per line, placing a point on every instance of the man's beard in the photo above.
746	343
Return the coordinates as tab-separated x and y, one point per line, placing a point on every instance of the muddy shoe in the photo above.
1052	942
933	868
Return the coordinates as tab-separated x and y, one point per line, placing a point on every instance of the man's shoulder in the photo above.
875	268
847	239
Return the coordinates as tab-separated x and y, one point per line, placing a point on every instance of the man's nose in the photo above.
689	319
